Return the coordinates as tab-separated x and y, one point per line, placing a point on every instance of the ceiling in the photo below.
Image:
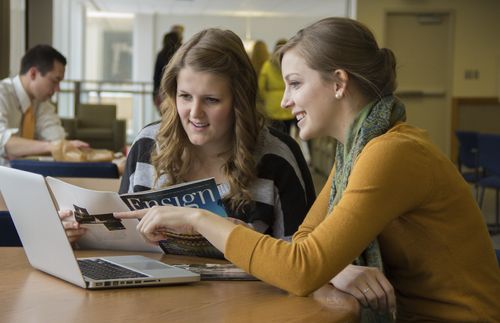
247	8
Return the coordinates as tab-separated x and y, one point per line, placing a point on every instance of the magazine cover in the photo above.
199	194
94	210
217	271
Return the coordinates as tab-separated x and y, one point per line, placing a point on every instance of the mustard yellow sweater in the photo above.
434	242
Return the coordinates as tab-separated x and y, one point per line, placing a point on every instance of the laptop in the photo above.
47	248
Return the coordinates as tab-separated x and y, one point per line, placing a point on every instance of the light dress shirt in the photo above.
14	101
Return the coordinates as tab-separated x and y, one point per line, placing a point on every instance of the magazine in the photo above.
217	271
94	210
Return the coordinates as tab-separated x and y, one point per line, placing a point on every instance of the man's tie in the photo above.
28	130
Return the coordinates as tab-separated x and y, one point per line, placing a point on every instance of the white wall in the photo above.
143	59
475	38
268	29
143	52
95	29
68	37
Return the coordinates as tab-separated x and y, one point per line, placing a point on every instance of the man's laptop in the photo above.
35	216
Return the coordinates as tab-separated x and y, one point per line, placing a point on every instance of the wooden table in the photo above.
28	295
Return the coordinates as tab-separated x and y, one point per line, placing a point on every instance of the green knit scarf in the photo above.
373	120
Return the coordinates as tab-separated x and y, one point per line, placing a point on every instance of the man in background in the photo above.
28	121
171	42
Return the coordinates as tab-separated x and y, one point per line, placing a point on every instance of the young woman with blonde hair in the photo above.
259	55
271	89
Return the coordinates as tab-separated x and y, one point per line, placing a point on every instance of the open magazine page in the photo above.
94	209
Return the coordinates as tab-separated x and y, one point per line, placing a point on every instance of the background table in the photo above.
28	295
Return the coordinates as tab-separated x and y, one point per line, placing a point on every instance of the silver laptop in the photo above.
35	216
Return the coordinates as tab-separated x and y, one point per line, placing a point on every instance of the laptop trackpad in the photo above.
146	265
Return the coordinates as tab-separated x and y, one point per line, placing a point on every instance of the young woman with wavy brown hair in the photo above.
210	127
176	155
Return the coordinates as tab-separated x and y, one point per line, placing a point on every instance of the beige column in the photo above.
38	22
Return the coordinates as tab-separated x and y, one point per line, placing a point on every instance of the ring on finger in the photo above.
366	290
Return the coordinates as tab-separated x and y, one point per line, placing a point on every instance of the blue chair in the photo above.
8	232
489	160
67	169
468	157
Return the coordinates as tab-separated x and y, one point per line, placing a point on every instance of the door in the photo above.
421	43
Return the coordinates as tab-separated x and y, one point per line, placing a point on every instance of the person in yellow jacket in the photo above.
393	200
271	89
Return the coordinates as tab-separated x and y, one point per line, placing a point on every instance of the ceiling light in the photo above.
108	14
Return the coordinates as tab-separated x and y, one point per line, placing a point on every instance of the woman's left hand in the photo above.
368	285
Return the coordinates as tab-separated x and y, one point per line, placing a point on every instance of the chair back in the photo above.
67	169
98	125
96	115
489	153
468	148
8	232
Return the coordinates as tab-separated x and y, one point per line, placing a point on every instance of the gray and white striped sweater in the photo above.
283	191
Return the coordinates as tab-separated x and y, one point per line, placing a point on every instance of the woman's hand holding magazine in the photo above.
73	229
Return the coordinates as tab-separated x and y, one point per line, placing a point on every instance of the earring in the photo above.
338	95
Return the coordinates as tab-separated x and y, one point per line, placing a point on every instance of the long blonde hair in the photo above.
260	55
220	52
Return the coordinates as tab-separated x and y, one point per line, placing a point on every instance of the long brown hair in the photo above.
342	43
220	52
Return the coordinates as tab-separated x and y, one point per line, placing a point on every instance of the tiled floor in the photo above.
488	207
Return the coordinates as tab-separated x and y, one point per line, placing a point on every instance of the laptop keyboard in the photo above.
99	269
